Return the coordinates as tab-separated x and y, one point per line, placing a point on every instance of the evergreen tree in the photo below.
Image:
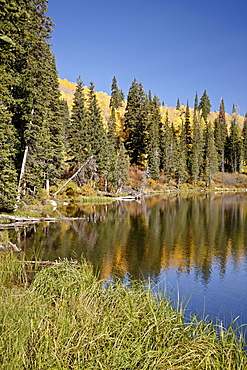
167	147
117	96
8	174
235	146
96	142
135	124
196	106
220	135
244	135
33	97
65	123
154	119
197	149
211	157
78	130
188	137
181	168
178	104
122	165
204	106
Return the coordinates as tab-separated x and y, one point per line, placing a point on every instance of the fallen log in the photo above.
25	221
49	263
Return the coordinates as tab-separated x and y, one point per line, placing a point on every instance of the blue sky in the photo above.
175	48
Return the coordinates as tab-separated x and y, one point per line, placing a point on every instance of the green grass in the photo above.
66	319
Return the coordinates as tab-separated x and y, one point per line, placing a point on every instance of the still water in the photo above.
194	247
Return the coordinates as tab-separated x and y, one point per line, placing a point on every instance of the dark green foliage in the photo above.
168	147
244	134
122	165
197	149
181	163
178	104
96	138
188	136
211	157
196	107
8	174
204	106
30	90
234	147
136	123
78	128
117	96
220	135
154	121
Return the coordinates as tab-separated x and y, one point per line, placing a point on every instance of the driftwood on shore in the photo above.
20	221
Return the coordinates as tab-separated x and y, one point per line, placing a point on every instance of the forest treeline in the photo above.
43	141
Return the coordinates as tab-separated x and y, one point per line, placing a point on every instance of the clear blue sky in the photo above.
175	48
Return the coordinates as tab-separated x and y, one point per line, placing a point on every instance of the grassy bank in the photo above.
65	319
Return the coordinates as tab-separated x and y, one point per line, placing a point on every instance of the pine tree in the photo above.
181	165
135	124
196	106
211	157
65	123
117	96
78	129
178	104
122	165
244	135
220	135
168	147
235	146
197	149
96	142
188	137
33	97
204	106
154	119
8	174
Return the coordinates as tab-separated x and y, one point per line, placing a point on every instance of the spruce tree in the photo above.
135	124
8	174
220	135
78	134
154	119
211	157
244	135
96	141
33	97
188	137
181	164
235	147
168	147
117	96
65	123
204	106
122	165
197	149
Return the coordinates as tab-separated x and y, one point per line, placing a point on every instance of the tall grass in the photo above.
66	319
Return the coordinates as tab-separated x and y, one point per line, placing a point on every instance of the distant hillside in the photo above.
67	89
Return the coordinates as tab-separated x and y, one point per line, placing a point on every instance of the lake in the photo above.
193	247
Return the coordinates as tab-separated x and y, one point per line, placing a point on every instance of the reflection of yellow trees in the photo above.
163	232
207	231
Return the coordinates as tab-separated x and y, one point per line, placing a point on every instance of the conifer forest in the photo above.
44	141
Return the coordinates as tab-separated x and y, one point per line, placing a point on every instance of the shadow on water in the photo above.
197	244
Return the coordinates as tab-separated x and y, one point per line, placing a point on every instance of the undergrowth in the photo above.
67	319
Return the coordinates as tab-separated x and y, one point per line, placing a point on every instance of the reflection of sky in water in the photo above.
196	246
224	297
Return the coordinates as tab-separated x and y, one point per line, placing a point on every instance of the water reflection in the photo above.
159	233
197	243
